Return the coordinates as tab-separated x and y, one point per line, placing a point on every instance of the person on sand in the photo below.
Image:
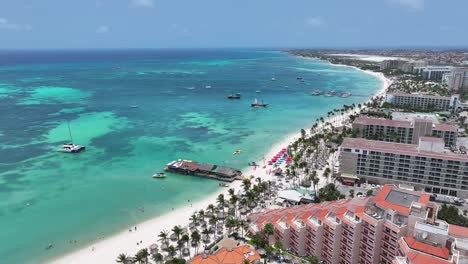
135	228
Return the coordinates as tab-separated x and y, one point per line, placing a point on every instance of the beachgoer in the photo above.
135	228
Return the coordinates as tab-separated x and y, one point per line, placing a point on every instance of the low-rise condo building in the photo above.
423	101
389	228
401	131
427	166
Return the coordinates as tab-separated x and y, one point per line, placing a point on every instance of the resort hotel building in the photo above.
433	72
402	131
457	80
423	101
394	227
427	166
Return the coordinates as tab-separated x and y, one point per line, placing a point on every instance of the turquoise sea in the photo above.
49	197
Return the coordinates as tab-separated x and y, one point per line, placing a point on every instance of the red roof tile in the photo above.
458	231
445	127
441	252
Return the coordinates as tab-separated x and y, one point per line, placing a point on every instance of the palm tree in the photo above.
194	218
221	201
232	192
201	215
233	202
171	251
158	257
269	230
230	223
185	239
242	224
138	257
163	236
196	240
143	255
123	258
246	184
211	208
176	230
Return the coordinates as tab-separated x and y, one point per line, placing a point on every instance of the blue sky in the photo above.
231	23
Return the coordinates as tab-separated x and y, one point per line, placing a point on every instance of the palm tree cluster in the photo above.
227	216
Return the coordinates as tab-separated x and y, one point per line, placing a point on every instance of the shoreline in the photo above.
107	250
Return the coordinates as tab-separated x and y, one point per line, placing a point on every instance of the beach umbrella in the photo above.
261	251
153	248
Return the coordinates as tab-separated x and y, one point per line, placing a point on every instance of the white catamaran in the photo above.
70	147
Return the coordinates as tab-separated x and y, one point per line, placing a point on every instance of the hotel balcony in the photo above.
315	222
283	225
299	223
353	218
333	219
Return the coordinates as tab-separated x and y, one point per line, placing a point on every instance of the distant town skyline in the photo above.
95	24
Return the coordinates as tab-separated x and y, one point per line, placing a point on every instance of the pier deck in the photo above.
206	170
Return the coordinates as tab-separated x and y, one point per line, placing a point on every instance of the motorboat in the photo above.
330	93
134	106
208	87
234	96
316	92
258	91
345	94
223	185
159	175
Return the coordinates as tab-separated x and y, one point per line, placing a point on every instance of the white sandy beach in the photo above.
107	250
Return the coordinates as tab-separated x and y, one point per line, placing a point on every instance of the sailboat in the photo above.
257	104
70	147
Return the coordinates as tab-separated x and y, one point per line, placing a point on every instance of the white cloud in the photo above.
413	4
143	3
7	25
314	21
102	29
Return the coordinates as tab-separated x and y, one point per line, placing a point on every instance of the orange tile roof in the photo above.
380	199
421	258
228	256
205	259
237	255
458	231
441	252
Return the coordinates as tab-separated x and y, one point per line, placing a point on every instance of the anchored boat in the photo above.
159	175
345	94
234	96
70	147
316	92
257	104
